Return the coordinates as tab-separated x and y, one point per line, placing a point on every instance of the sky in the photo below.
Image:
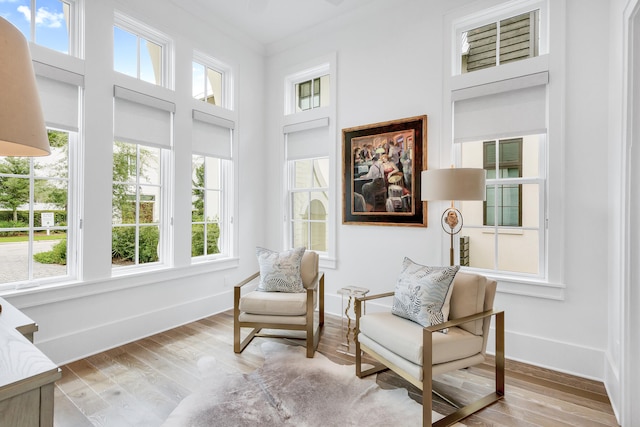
50	23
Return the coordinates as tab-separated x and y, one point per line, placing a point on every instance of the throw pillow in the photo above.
421	291
280	271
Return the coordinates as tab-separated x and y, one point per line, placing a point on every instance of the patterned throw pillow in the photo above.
280	271
421	291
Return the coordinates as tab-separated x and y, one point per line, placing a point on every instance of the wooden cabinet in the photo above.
27	376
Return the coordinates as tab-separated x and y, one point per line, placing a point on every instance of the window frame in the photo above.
75	40
291	190
542	181
495	15
227	78
163	248
225	222
292	81
141	30
71	235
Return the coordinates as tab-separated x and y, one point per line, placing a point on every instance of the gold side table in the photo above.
349	293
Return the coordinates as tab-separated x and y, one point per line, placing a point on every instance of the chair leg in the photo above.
473	407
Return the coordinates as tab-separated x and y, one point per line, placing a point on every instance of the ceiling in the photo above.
269	21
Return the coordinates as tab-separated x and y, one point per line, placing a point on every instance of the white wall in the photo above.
622	375
390	66
102	312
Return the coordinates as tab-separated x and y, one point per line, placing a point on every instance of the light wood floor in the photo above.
140	383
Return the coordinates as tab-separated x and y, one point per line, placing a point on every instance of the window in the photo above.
481	47
212	81
308	89
140	52
55	22
136	204
503	205
309	203
208	209
34	214
312	93
507	233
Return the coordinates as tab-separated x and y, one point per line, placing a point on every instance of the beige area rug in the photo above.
291	390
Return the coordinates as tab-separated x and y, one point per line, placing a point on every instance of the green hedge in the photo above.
59	217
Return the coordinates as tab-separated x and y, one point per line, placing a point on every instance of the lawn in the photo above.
37	236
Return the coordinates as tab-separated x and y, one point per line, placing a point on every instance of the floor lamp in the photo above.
22	128
453	184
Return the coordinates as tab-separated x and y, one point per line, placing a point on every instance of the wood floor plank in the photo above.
140	383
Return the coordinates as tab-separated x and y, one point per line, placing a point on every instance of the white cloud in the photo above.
43	17
25	11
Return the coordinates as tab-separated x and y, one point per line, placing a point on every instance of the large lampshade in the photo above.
22	128
453	184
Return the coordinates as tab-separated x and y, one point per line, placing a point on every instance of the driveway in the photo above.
14	256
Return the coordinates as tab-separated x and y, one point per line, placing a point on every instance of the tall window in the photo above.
136	204
34	210
208	209
507	233
55	22
140	52
503	205
309	203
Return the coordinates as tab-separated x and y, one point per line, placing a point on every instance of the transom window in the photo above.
500	42
312	93
140	52
308	89
309	203
48	23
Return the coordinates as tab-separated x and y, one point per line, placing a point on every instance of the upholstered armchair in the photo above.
417	353
298	311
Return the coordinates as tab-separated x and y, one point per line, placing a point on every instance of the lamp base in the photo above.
451	222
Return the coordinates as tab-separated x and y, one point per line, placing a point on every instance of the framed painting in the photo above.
382	164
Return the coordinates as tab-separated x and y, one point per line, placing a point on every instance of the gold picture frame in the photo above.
382	163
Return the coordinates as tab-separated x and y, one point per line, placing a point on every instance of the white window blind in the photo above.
140	118
502	109
212	135
308	140
59	96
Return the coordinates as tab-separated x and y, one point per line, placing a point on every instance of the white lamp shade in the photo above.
453	184
22	128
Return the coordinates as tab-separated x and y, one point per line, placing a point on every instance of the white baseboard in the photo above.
82	343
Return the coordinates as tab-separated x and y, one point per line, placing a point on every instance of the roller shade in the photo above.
307	139
501	109
59	96
141	118
212	135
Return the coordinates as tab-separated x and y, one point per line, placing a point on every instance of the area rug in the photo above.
291	390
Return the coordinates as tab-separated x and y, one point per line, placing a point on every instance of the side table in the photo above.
349	293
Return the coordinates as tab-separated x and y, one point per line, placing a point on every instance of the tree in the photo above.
14	190
198	193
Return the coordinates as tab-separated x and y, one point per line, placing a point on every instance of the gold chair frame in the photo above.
312	335
426	385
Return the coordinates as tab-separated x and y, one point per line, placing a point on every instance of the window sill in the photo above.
61	291
524	286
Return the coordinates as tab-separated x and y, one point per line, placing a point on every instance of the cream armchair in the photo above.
281	310
418	353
